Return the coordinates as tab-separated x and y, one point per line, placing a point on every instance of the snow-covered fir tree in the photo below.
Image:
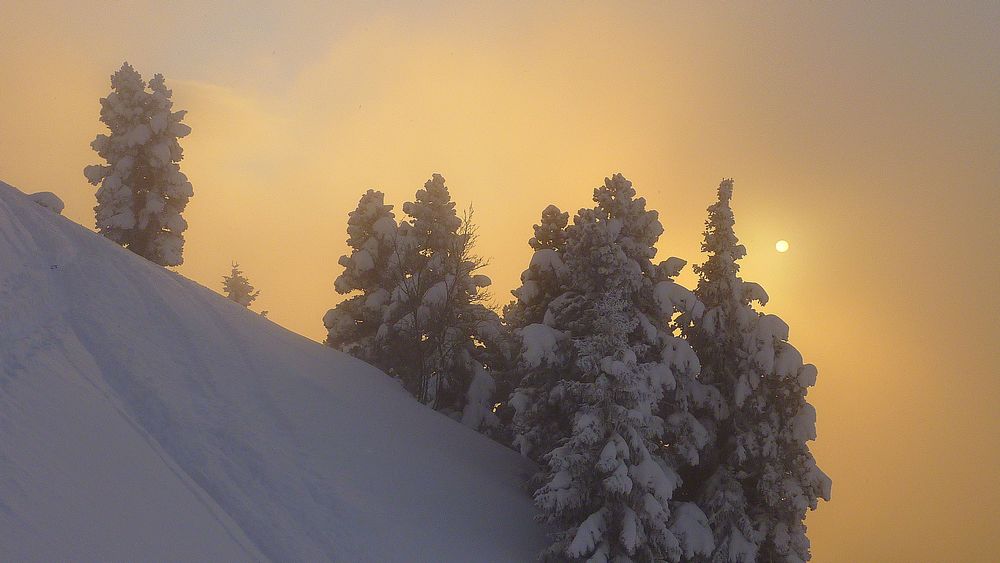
420	314
790	481
142	189
721	339
371	273
757	477
608	487
440	328
238	288
540	282
539	424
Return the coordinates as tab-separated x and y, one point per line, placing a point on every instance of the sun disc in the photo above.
781	246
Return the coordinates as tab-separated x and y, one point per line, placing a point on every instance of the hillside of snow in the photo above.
145	417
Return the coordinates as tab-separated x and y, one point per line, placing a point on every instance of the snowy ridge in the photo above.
143	416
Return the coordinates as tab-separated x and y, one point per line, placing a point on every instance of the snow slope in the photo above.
143	416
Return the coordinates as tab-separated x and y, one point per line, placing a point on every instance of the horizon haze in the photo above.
865	135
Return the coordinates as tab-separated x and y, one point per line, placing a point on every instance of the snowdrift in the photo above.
145	417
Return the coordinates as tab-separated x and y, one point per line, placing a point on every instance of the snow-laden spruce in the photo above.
418	311
237	287
540	282
537	419
371	272
758	477
599	367
142	190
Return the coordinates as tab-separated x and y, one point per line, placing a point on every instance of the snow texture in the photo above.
672	266
478	411
145	417
546	258
690	524
49	201
754	292
671	296
538	344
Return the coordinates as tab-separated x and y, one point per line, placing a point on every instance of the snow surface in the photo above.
145	417
48	200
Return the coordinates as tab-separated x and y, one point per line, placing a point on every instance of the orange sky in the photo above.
868	137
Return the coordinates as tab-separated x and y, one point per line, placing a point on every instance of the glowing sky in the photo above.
867	136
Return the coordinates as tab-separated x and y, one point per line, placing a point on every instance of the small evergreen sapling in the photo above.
238	288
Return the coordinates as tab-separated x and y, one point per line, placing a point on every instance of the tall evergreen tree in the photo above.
371	273
142	189
539	418
757	478
238	288
439	323
421	315
608	485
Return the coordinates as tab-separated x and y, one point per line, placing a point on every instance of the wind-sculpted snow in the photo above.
144	417
48	200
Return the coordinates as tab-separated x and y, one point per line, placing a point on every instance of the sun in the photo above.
781	245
